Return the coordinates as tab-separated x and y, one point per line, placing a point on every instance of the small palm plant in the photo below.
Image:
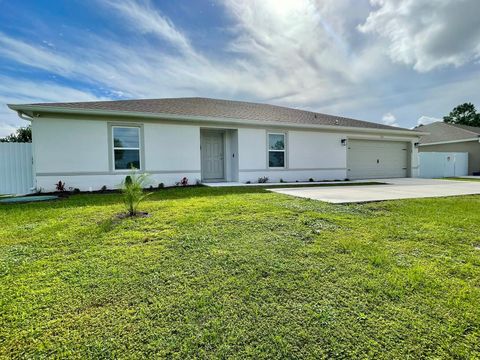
132	190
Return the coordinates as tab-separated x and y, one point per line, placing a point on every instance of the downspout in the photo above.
23	116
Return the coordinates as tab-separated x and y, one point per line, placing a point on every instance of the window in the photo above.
126	147
276	150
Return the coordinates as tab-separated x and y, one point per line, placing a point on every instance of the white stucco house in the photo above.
91	144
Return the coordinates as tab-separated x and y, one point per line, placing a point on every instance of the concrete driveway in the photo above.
394	189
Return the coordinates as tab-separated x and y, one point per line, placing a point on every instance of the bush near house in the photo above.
240	273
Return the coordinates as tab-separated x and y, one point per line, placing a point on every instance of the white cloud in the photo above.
425	120
297	53
143	16
427	34
389	119
35	56
7	129
15	90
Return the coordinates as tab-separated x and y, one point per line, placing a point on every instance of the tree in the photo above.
21	135
464	114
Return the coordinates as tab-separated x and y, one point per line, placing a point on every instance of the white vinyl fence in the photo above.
442	164
16	168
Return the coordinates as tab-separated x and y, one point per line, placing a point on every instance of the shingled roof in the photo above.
442	132
214	108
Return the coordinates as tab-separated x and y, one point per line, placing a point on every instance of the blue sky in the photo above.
388	61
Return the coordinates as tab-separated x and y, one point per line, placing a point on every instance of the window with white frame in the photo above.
276	150
126	147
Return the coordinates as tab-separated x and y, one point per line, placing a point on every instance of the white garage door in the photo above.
369	159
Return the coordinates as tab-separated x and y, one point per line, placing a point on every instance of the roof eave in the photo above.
33	111
450	141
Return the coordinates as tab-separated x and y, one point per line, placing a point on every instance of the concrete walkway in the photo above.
394	189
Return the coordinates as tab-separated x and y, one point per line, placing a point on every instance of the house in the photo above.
91	144
445	137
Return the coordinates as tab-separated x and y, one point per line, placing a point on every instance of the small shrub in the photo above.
262	180
76	191
103	188
132	190
281	180
161	185
346	179
248	182
184	181
311	180
60	186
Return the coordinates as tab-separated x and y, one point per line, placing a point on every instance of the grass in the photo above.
461	179
240	273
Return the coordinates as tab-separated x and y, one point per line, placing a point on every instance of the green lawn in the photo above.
240	273
461	179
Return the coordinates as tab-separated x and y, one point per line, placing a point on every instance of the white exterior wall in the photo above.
172	147
70	145
309	154
77	153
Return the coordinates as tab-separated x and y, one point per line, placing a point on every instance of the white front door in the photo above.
212	149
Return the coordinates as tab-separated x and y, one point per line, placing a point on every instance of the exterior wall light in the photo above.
343	142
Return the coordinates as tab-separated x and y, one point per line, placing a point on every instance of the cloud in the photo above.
143	16
425	120
389	119
17	90
307	54
7	129
427	34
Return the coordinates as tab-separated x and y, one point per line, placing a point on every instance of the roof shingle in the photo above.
216	108
441	131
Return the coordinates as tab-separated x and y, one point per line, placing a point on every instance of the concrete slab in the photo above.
393	190
310	183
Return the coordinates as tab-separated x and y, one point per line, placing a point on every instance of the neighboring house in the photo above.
444	137
91	144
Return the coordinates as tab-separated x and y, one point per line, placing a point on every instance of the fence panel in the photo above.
442	164
16	168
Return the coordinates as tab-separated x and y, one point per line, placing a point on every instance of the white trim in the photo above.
284	151
450	141
139	149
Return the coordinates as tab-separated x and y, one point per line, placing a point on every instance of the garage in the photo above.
371	159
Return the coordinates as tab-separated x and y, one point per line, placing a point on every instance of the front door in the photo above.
212	149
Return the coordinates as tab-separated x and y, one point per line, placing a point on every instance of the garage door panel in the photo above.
376	159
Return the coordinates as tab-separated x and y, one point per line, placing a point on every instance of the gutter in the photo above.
451	141
34	111
22	116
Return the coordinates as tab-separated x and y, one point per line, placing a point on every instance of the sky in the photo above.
397	62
